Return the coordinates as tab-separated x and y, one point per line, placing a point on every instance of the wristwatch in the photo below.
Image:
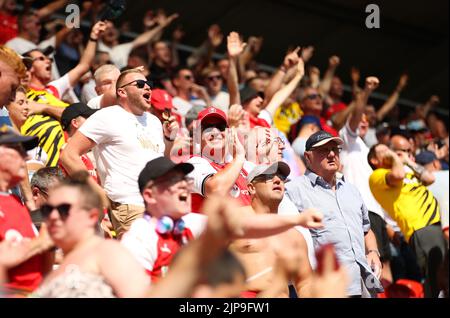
374	251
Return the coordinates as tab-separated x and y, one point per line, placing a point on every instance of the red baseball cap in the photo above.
161	99
210	113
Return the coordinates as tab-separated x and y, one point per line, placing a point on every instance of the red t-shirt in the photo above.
335	108
16	224
8	27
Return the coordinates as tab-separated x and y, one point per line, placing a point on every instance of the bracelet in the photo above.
92	39
374	251
168	139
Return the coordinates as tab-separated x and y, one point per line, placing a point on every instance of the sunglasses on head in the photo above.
63	210
139	83
313	96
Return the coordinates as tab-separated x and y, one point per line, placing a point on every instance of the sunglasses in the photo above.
63	210
216	77
313	96
270	177
219	126
139	84
43	58
188	77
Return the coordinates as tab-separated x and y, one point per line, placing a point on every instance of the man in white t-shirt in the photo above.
357	171
105	78
127	137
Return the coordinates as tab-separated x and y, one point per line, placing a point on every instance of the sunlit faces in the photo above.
324	160
73	221
161	52
312	101
214	138
18	109
184	80
254	105
169	194
12	164
214	82
106	81
41	66
268	187
138	95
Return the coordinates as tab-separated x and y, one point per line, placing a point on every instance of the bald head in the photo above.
400	143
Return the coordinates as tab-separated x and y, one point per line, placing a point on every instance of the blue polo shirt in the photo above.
346	221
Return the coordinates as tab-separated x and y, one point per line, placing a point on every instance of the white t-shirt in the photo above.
440	190
125	142
221	101
356	168
88	91
142	238
94	103
203	169
287	207
182	106
118	54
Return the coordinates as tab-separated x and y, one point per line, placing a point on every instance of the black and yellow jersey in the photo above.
46	128
412	205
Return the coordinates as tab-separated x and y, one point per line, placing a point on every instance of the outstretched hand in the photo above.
235	45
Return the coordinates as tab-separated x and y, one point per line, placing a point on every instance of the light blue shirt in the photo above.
346	221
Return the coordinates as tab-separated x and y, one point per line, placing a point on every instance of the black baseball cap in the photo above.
158	167
73	111
248	92
425	157
321	138
9	136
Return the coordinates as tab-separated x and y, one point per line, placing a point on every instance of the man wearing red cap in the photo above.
218	168
162	102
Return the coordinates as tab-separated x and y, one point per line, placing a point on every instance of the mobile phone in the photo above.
320	256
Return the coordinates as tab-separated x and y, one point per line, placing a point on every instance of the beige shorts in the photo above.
122	215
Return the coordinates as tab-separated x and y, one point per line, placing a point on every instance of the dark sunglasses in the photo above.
139	83
188	77
219	126
43	58
217	77
63	210
313	96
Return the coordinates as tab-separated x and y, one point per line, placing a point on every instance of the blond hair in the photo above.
10	57
122	75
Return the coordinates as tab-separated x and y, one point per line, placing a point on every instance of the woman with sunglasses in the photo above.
92	266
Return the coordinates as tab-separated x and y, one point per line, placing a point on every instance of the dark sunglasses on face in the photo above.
188	77
214	77
219	126
63	210
313	96
43	58
139	83
269	177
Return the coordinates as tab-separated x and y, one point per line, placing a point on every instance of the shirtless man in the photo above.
260	257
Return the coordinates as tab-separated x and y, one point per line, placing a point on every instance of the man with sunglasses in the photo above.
44	123
346	219
189	94
15	220
213	82
261	257
218	168
126	136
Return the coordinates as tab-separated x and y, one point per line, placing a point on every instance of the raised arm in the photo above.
202	55
392	100
147	36
50	8
359	103
423	110
325	84
395	176
290	60
235	47
88	56
251	50
280	96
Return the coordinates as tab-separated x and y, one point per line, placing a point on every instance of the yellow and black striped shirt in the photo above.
412	205
47	128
